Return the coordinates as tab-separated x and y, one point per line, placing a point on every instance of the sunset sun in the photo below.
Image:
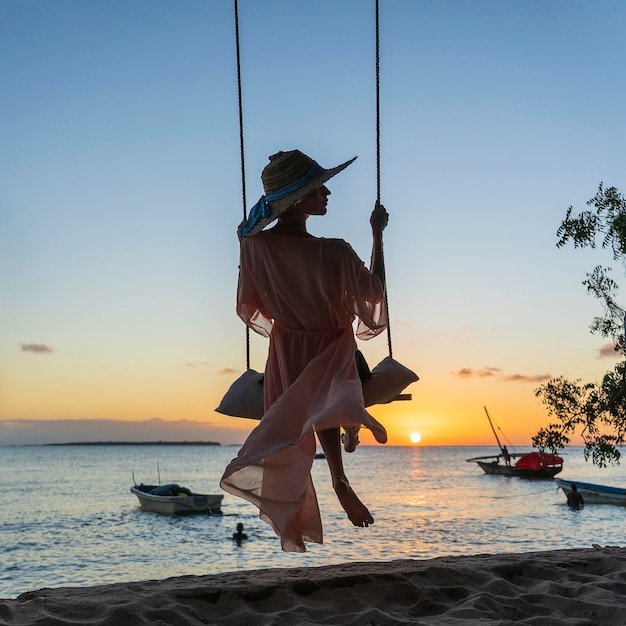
415	437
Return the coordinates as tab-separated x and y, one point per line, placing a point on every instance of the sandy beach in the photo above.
573	587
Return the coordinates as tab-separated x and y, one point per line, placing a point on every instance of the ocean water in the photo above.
67	517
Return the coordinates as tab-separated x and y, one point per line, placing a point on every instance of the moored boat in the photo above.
594	494
528	464
175	500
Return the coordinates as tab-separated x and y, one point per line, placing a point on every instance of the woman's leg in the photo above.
356	511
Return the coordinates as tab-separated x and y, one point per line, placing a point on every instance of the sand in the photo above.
573	587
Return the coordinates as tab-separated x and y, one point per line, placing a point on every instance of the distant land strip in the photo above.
136	443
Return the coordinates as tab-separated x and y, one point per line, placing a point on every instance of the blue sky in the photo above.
120	193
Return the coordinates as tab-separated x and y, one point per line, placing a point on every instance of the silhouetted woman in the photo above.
303	292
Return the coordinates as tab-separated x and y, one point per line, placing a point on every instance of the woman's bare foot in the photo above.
350	438
356	511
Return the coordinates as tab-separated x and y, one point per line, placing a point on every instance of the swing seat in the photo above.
387	382
244	397
382	385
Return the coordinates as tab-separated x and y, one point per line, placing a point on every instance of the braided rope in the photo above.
241	150
389	346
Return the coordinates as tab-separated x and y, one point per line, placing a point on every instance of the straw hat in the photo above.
287	178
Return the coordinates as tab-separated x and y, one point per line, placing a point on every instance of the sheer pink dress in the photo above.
304	294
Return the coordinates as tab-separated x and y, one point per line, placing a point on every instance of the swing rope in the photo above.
378	159
241	150
378	166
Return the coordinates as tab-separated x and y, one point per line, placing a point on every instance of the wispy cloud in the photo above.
229	370
36	348
465	372
495	372
525	378
199	364
485	372
608	351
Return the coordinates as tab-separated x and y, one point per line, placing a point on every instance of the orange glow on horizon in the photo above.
444	411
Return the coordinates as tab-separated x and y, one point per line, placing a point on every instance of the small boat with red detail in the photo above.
527	465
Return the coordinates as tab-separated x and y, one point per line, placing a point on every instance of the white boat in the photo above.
175	500
594	494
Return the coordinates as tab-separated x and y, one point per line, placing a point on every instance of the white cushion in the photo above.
244	397
389	378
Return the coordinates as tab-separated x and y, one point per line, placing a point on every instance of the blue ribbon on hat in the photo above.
261	210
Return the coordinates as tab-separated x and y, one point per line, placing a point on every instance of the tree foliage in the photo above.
596	410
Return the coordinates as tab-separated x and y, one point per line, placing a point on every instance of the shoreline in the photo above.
135	443
581	586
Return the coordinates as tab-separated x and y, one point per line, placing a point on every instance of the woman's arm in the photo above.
378	221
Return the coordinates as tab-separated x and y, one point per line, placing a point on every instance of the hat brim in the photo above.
278	207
